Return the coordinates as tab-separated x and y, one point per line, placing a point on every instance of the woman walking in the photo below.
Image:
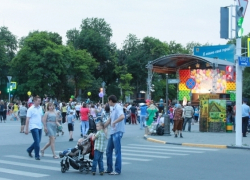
50	121
84	119
178	120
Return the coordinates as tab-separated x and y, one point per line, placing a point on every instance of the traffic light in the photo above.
8	90
224	22
239	17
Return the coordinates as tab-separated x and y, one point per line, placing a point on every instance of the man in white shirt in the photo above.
34	123
245	117
188	114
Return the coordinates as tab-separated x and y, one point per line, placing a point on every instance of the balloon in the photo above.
89	93
101	94
29	93
72	96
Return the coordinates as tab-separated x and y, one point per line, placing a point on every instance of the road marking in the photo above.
154	149
22	173
30	159
168	147
143	155
149	152
4	179
30	165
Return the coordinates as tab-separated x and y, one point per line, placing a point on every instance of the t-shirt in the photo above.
133	109
143	110
188	111
117	112
245	110
22	111
35	115
15	108
84	114
70	118
78	107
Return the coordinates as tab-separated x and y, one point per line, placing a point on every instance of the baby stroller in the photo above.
75	157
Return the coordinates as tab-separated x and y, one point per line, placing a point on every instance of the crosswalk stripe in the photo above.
127	158
4	179
174	147
154	149
144	155
48	155
22	173
30	165
30	159
149	152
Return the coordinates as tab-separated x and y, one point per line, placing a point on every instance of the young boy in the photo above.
99	138
70	120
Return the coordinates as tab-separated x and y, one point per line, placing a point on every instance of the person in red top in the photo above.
84	112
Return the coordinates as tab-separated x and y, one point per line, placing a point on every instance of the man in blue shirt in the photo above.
143	108
245	117
116	132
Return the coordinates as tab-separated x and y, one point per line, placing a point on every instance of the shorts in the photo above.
23	120
71	127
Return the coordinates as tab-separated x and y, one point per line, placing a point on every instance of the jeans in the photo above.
114	142
98	158
85	127
244	125
142	121
37	135
187	120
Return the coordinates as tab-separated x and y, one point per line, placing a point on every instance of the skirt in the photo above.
178	125
52	127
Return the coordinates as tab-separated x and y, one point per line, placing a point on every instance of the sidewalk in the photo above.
201	139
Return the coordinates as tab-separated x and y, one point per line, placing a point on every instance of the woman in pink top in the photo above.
84	113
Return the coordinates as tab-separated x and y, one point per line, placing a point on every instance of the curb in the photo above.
215	146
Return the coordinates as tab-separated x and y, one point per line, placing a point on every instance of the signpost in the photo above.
173	81
244	61
8	85
238	118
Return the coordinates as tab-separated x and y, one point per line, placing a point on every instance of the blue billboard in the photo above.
223	52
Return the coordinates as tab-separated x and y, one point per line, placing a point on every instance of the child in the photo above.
59	116
99	138
70	120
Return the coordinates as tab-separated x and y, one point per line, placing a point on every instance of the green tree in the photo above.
82	68
41	65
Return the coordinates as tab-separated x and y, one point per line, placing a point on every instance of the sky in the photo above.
182	21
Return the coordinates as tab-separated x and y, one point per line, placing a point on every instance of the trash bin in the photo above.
229	127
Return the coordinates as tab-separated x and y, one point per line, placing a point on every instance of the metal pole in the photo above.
103	95
166	117
238	117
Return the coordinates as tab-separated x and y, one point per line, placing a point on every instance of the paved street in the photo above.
141	159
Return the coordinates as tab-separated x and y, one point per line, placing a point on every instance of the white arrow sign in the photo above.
243	3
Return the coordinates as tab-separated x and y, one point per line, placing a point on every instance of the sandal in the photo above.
42	153
55	157
114	173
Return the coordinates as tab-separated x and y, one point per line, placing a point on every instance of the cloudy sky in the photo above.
182	21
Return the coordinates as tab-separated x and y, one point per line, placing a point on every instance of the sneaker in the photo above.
93	173
29	153
101	173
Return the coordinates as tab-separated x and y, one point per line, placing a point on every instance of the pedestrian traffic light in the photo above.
239	21
8	90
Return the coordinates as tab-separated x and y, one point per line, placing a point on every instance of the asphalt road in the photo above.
142	160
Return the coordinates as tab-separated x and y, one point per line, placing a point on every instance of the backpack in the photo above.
160	130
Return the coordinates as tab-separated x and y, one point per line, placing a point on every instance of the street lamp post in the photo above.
8	85
103	88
